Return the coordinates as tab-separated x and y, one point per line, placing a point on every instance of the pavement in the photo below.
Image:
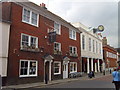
42	84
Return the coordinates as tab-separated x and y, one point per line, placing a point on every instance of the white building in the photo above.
4	45
91	49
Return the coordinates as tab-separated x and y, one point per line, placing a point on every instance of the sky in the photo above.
91	13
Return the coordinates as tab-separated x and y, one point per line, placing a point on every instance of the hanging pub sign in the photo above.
52	37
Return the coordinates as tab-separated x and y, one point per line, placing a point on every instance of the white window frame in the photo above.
30	21
90	47
29	39
59	49
93	45
59	67
83	42
96	47
73	49
71	35
73	67
28	75
59	30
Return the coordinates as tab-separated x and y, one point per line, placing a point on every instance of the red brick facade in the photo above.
15	54
110	56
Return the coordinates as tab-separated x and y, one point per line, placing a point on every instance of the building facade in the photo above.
41	45
109	55
91	49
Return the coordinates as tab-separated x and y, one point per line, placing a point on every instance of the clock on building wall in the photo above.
101	28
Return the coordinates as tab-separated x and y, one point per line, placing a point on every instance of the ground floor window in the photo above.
73	66
28	68
57	68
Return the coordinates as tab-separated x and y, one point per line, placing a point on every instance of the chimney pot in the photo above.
43	6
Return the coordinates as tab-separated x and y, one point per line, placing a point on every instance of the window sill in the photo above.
73	55
30	23
23	76
30	49
57	73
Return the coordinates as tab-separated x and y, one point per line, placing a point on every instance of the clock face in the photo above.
100	28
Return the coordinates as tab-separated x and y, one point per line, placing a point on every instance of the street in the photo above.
101	82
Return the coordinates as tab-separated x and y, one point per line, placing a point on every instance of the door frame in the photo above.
50	65
67	63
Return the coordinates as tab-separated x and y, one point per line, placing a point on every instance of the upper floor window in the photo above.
83	42
57	46
28	68
93	46
96	47
30	17
73	49
27	40
57	28
100	48
89	44
72	34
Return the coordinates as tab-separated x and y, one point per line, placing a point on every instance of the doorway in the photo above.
65	70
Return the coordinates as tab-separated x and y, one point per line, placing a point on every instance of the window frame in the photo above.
73	49
59	32
59	68
83	42
29	40
71	35
59	45
90	47
30	19
28	69
73	67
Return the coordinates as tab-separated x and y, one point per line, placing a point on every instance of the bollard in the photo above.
104	72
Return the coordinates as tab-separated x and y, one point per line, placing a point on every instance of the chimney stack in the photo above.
43	5
104	41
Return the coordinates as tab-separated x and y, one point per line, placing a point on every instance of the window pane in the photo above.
24	68
25	40
32	70
34	18
33	42
26	15
74	35
70	48
75	67
56	46
56	28
56	70
70	34
56	67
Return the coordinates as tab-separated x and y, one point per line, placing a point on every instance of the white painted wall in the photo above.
89	34
4	44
